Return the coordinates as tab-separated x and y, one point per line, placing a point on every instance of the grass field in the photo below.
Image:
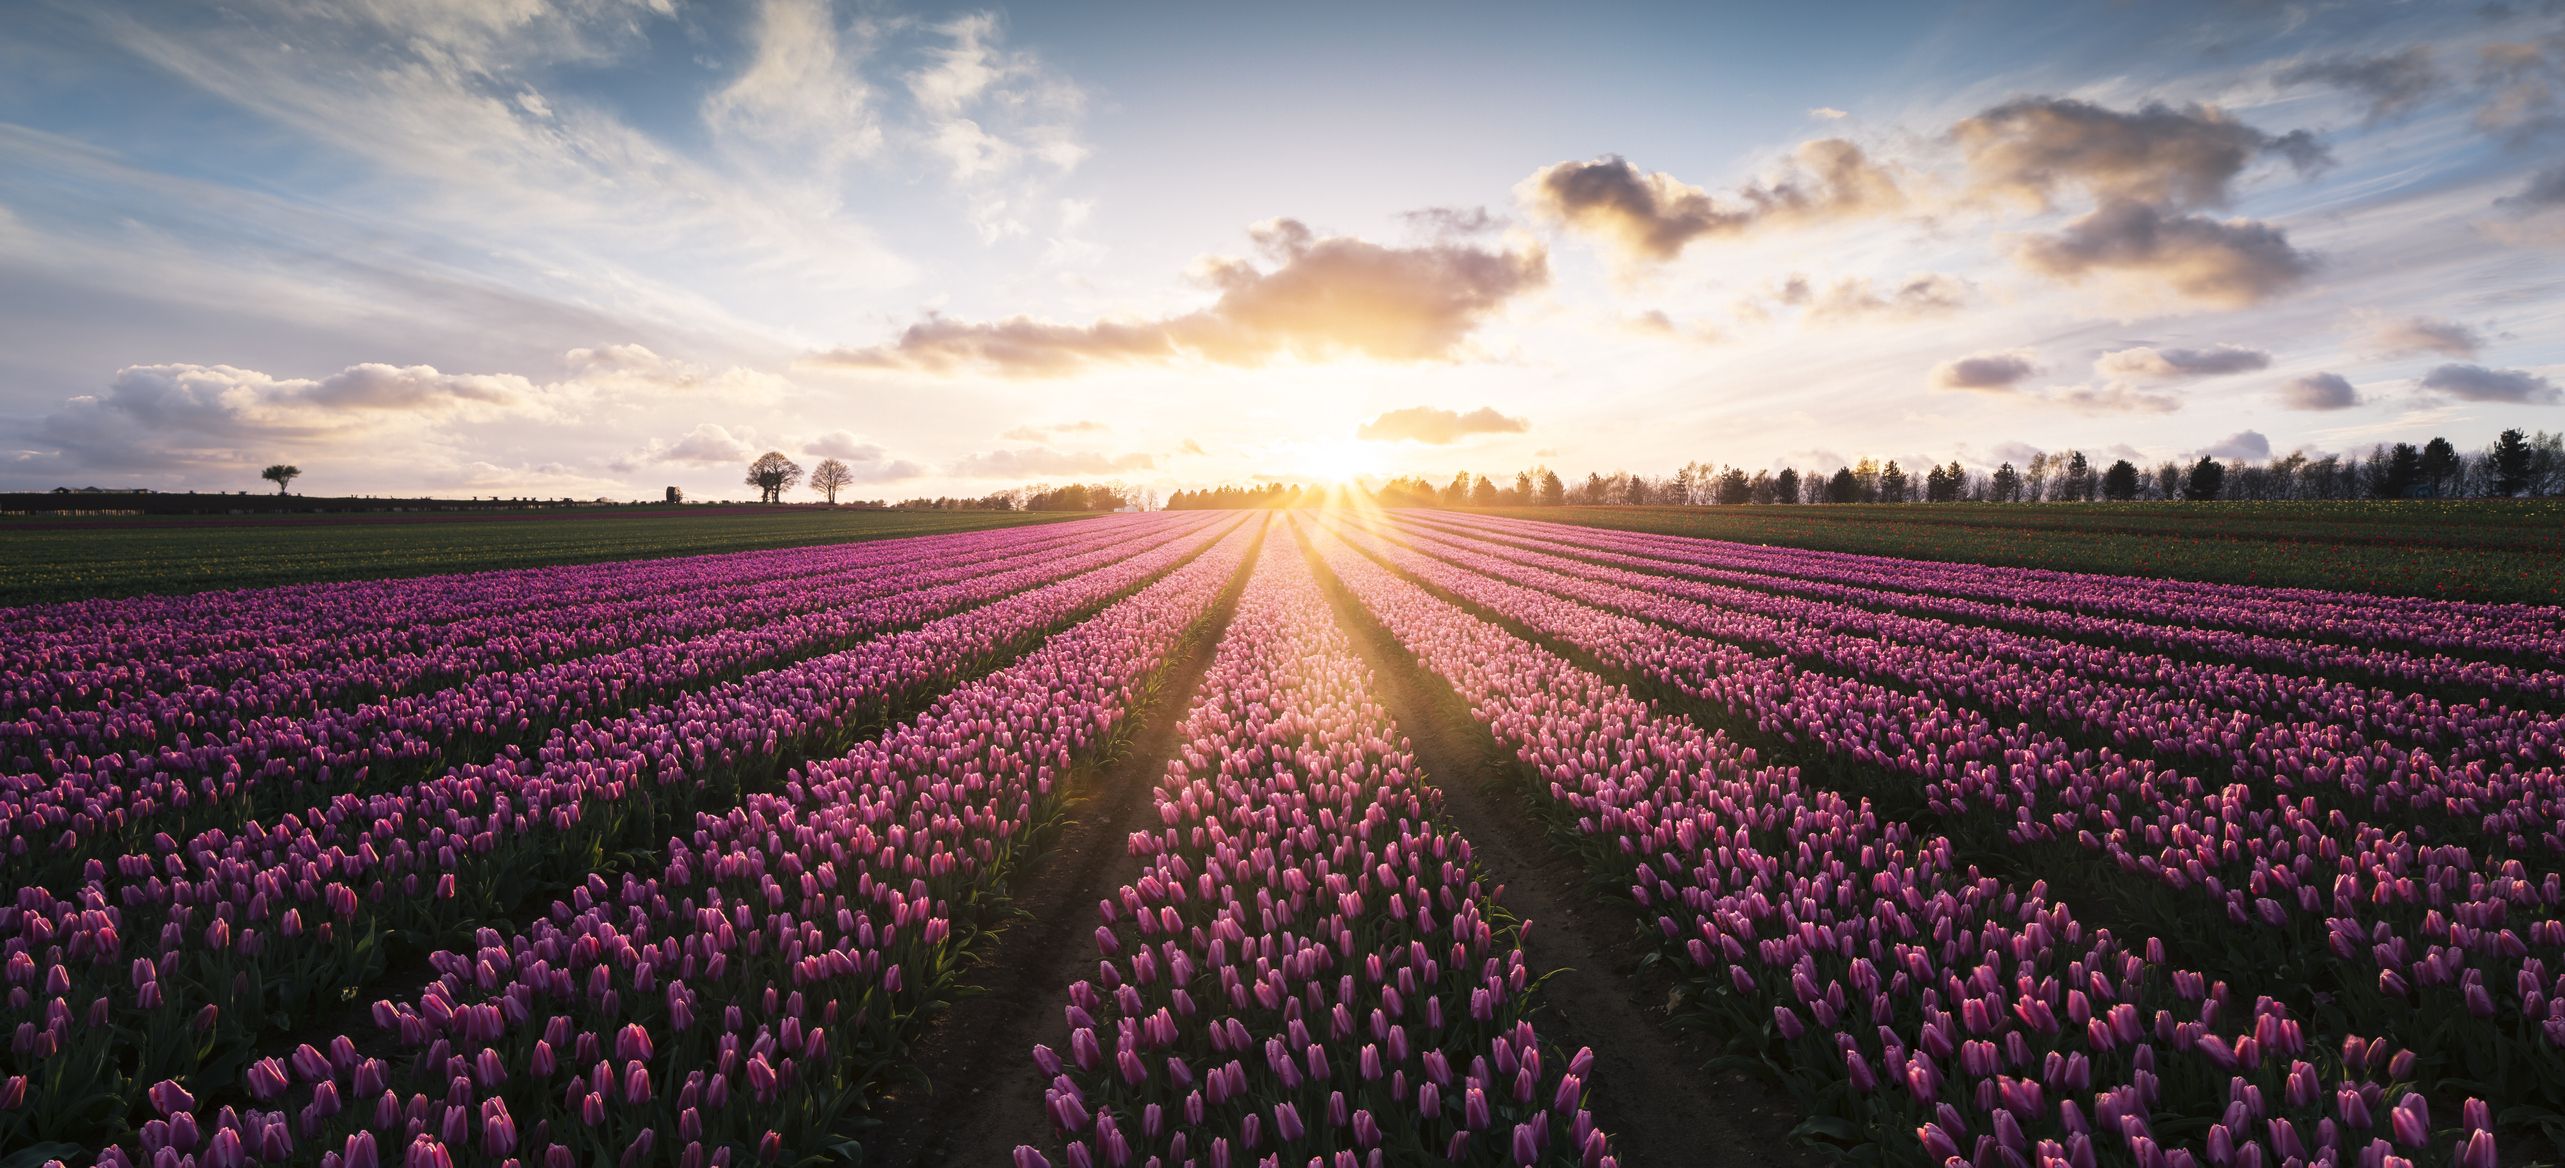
70	559
2504	550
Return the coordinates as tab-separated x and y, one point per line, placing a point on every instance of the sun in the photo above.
1336	460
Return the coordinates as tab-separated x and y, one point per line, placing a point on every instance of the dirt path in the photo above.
1651	1093
982	1095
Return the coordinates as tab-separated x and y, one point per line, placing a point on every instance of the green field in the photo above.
45	559
2505	549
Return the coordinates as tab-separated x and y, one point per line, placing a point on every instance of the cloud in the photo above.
2170	364
2029	149
182	415
1926	295
2230	263
1827	113
2536	213
2545	189
1438	427
2319	391
843	444
2479	384
798	97
2391	83
1445	222
2116	397
1039	433
1035	461
2523	83
2410	336
1652	215
2243	444
1002	122
705	444
1997	372
1321	297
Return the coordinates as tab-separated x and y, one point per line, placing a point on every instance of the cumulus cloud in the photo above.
1034	461
2319	391
2479	384
2391	83
707	443
2243	444
2170	364
2415	335
1437	426
1926	295
1319	297
1652	215
2116	397
188	415
2029	149
2229	263
1996	372
843	444
1443	222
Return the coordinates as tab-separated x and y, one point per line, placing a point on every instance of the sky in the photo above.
594	248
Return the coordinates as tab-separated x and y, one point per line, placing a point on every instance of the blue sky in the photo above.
594	247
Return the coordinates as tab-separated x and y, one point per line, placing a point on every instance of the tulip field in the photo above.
686	860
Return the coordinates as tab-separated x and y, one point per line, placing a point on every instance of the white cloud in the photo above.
800	95
1036	461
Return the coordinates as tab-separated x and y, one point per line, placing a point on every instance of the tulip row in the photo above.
2381	670
272	766
101	652
1308	970
235	933
2413	939
136	695
2506	647
753	992
1911	1002
2157	710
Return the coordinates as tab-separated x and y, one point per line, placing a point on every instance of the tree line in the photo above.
2513	465
773	474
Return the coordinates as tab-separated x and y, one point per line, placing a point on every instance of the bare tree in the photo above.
830	477
773	474
280	474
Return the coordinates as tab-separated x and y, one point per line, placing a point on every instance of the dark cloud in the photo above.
1320	297
1998	372
2319	391
2232	262
1653	215
184	415
2392	83
1438	427
2409	336
2545	189
2169	364
2032	148
2479	384
1033	461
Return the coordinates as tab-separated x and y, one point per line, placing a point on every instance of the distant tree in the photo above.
1523	490
1844	487
2393	473
773	474
1482	493
1785	486
2120	483
2035	477
281	474
1553	492
830	477
2439	468
1892	483
2206	477
2168	480
2006	485
2514	463
2078	485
